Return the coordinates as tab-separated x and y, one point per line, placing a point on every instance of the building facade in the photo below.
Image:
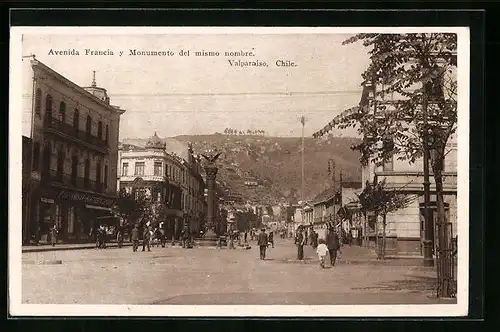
74	133
166	179
405	227
306	211
325	208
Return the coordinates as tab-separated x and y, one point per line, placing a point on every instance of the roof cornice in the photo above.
74	86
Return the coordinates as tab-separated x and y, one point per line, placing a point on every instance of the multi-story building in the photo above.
307	213
74	132
325	208
167	179
405	227
304	214
29	184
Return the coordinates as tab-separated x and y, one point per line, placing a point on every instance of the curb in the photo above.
49	262
90	246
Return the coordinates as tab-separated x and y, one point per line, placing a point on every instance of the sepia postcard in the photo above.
238	171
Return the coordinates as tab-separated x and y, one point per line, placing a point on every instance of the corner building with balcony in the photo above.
406	226
74	154
167	179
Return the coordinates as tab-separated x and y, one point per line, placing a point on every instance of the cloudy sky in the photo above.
200	95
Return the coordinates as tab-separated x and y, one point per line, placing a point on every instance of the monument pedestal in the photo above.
208	240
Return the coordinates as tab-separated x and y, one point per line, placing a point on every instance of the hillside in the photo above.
274	163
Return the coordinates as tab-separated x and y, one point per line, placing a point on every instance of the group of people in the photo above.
330	245
156	236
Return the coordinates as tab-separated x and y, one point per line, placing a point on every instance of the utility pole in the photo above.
303	122
429	224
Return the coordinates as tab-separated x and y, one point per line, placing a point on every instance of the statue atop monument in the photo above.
212	156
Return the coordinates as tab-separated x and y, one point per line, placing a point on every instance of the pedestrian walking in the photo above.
299	242
333	244
162	234
262	242
271	238
314	239
101	234
146	237
185	236
53	235
119	237
135	238
246	234
322	250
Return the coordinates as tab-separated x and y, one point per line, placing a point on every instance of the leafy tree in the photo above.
130	207
377	198
414	105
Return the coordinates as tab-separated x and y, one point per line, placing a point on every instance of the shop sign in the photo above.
86	198
46	200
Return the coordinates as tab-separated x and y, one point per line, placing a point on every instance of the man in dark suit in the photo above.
300	241
262	242
333	244
146	237
135	238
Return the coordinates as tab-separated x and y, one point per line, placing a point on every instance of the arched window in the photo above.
76	119
48	106
88	125
38	101
107	134
99	129
62	111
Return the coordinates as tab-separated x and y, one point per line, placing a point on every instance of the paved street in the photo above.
211	276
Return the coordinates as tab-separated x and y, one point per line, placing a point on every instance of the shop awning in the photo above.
95	207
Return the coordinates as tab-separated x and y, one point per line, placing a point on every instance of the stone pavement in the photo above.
211	276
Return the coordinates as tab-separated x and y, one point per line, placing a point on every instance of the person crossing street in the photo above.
262	242
300	242
333	244
146	237
135	238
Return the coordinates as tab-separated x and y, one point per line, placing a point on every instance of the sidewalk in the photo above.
82	246
68	246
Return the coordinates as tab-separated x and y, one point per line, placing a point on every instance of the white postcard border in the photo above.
15	145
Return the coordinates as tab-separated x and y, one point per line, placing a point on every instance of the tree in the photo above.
130	207
414	105
376	197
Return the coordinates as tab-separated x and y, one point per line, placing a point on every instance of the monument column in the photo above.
211	172
210	167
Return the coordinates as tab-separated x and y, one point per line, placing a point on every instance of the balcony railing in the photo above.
59	126
72	181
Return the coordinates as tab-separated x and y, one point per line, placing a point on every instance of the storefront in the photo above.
174	224
74	213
